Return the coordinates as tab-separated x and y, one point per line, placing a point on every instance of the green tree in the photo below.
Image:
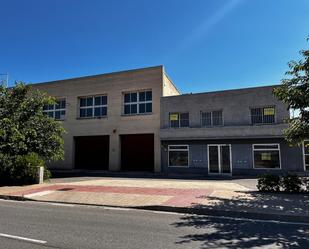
27	136
294	91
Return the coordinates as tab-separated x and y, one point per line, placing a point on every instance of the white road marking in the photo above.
8	200
61	204
22	238
41	193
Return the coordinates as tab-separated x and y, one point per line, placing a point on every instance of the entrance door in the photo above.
92	152
219	159
137	152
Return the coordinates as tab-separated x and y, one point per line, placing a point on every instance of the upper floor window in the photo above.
138	102
56	111
306	154
263	115
93	106
179	119
212	118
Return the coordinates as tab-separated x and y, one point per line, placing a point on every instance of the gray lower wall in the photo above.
242	157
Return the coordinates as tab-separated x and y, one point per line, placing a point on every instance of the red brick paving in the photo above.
180	197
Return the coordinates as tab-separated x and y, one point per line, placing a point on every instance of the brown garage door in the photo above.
92	152
137	152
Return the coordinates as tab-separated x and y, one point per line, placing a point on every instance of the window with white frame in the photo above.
178	155
266	156
306	154
57	110
93	106
179	119
263	115
137	102
211	118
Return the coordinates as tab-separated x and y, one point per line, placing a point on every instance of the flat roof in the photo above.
98	75
223	91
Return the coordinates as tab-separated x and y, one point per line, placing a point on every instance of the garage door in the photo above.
92	152
137	152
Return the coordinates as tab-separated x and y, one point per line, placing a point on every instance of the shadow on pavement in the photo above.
228	233
240	233
278	203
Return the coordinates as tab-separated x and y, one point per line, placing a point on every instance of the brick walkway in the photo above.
210	194
175	196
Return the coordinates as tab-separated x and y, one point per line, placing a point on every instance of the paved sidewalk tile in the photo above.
163	183
216	195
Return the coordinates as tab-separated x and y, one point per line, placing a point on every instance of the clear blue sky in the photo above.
203	44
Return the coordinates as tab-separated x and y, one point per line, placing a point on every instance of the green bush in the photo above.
6	167
306	184
26	134
47	174
291	183
20	170
268	183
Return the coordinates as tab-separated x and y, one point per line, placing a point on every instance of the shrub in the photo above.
306	184
23	169
269	183
5	169
47	174
26	168
291	183
26	134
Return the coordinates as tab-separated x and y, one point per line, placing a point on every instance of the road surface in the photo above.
41	225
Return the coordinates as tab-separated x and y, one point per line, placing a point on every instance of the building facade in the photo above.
137	120
236	132
112	121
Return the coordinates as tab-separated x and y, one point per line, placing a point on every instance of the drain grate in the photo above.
65	189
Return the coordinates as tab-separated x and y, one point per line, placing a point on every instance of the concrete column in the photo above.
157	153
114	153
40	176
69	152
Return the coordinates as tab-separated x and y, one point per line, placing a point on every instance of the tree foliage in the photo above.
25	132
294	91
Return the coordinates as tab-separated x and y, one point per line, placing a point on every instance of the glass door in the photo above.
213	155
219	156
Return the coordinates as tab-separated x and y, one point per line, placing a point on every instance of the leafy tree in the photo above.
26	134
294	91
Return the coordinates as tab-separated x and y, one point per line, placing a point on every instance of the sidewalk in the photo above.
219	197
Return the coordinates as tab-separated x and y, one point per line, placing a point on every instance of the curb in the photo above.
14	198
187	210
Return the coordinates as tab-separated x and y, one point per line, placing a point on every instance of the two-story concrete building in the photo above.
112	120
137	120
228	132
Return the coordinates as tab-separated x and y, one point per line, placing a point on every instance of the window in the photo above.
138	102
266	156
263	115
56	111
93	106
306	154
178	155
213	118
179	119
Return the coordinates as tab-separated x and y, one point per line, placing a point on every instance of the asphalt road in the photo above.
42	225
